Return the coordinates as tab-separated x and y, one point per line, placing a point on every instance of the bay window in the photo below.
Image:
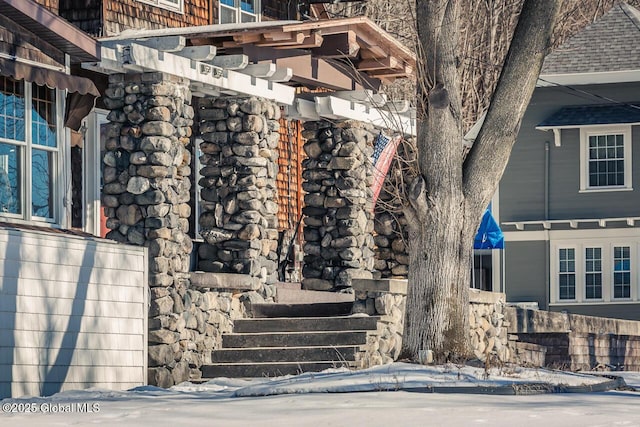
29	150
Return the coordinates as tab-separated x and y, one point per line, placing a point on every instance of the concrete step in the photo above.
301	296
300	324
252	370
325	309
289	285
293	339
286	354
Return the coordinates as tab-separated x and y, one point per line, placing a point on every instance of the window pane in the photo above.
10	173
42	185
248	6
606	160
228	2
248	18
593	273
227	15
567	275
44	116
622	272
12	109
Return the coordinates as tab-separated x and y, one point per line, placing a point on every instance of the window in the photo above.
593	273
621	272
233	11
567	274
174	5
29	134
606	158
600	270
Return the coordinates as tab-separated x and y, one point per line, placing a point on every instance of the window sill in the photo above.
605	189
612	302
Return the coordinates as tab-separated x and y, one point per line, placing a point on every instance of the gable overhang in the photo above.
54	30
557	141
579	79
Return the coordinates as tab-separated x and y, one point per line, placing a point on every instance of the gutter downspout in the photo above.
547	250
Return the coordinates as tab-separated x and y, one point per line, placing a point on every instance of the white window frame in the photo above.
602	272
239	12
166	4
576	272
92	171
59	176
585	133
632	257
606	244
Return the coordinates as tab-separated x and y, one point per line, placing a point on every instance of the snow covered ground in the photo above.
340	398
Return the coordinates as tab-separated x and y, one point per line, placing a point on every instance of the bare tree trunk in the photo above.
449	195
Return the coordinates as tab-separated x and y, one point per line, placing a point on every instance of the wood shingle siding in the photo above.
52	5
87	15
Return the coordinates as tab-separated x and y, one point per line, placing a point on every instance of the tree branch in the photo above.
490	153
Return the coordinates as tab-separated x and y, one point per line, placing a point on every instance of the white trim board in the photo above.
135	57
333	107
528	236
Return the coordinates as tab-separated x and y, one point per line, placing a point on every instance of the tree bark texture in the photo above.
451	192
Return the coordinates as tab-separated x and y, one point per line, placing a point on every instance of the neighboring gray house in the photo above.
569	200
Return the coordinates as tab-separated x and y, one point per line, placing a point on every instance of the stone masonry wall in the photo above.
146	198
239	219
387	299
338	221
487	328
147	170
392	259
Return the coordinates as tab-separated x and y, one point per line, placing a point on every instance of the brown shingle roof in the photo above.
612	43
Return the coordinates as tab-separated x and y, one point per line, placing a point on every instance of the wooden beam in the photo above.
343	45
312	41
389	62
162	44
260	70
198	53
312	71
230	62
295	39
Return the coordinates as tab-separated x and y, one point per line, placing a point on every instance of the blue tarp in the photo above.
489	234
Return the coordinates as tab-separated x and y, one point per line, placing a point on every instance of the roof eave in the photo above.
50	27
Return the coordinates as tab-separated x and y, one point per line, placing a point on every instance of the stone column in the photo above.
146	195
338	205
239	213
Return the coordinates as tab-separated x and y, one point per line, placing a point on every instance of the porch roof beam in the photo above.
133	56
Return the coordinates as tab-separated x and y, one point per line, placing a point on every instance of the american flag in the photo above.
384	149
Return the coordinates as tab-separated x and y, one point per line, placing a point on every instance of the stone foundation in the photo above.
338	212
488	336
238	220
183	331
387	299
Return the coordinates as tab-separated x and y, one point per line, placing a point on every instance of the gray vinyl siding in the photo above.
525	272
617	311
522	186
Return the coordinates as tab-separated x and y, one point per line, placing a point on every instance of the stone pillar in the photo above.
392	258
338	205
146	195
239	213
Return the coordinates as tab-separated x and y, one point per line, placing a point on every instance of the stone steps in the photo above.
253	370
306	324
286	339
302	310
301	296
286	354
294	339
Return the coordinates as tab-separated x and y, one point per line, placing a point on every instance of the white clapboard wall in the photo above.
72	313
